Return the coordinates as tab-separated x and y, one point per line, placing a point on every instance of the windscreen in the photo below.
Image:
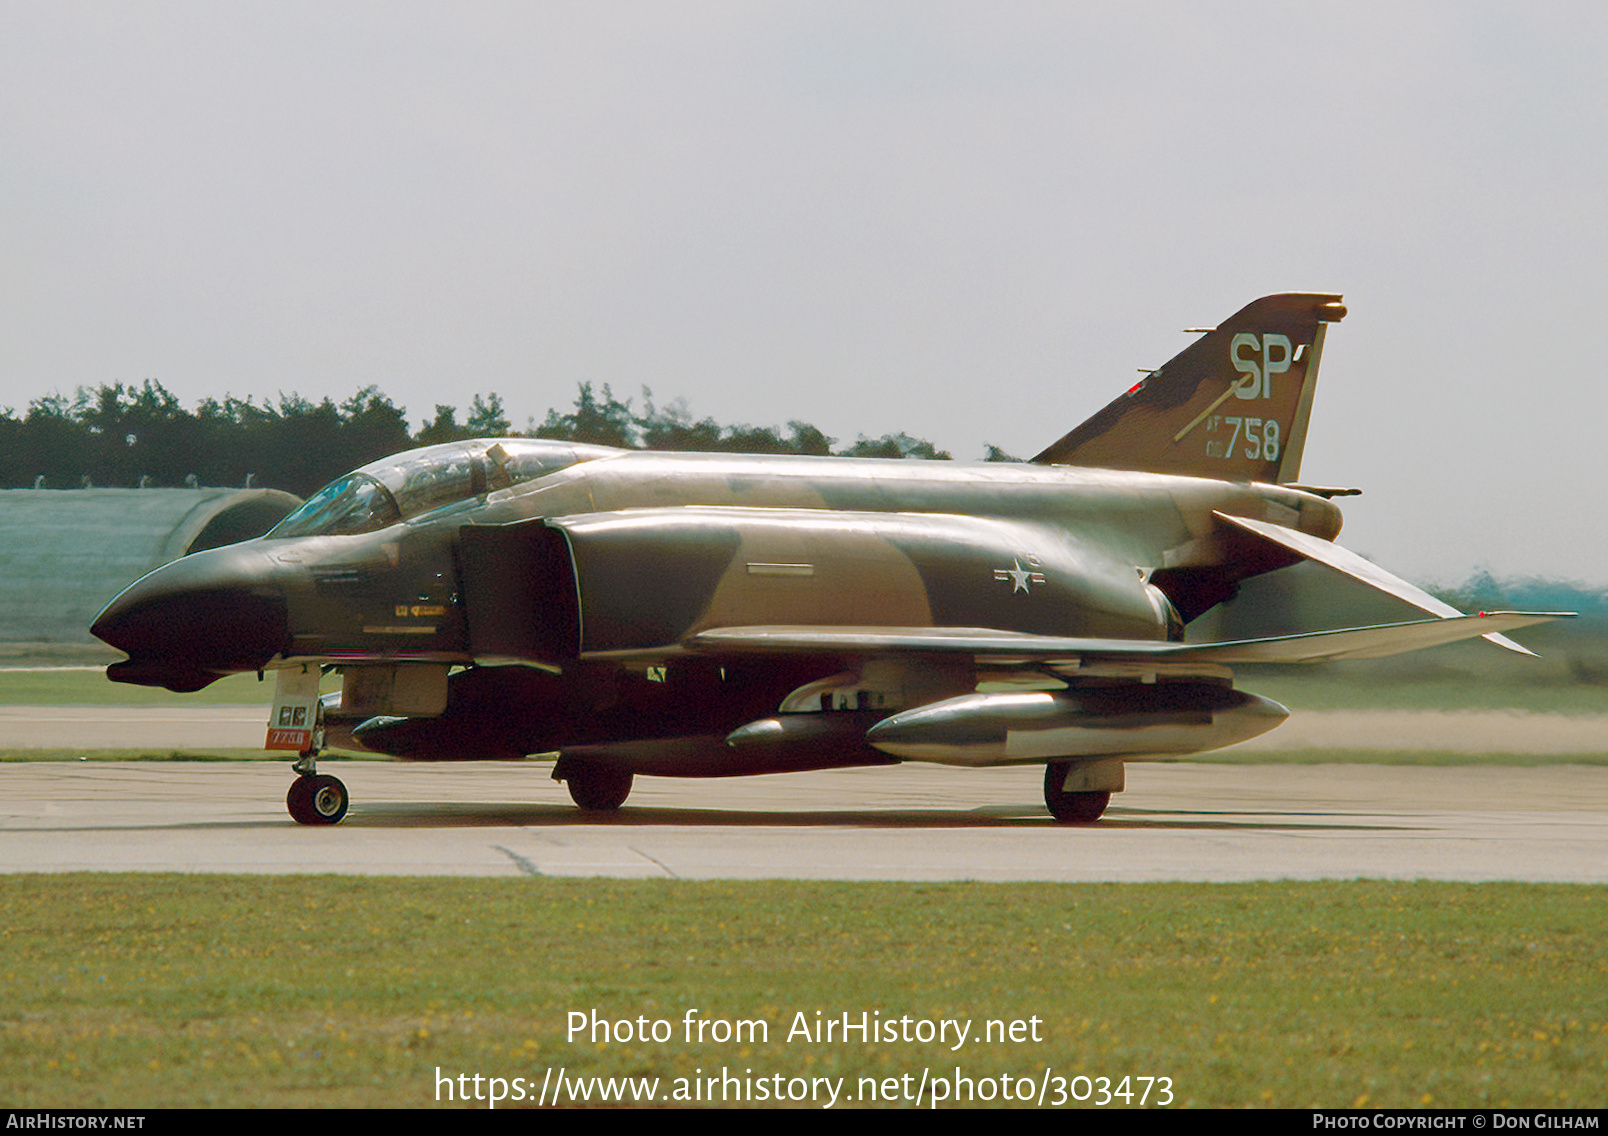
419	481
355	503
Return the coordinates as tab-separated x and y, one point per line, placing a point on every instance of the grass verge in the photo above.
78	687
134	991
1317	756
1341	690
71	754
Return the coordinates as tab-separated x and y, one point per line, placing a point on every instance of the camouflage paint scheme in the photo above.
715	614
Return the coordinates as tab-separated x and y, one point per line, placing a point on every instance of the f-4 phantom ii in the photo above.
711	615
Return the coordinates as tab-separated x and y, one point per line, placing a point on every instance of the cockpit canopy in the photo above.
405	485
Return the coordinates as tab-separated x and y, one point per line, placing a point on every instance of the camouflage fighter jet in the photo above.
712	615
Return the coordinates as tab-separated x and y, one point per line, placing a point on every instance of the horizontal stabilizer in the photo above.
1378	641
1348	563
1008	648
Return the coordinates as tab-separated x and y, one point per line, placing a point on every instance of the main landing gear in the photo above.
316	798
1071	807
595	787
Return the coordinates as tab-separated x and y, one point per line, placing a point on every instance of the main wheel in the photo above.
319	799
1071	808
598	788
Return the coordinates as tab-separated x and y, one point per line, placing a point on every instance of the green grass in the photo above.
138	991
1305	756
1340	689
69	754
92	688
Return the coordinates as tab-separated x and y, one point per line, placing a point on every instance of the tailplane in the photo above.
1233	405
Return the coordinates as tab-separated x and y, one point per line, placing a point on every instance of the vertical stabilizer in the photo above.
1234	405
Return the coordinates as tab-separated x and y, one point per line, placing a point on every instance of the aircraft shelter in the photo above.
64	553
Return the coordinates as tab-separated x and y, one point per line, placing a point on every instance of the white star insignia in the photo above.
1022	579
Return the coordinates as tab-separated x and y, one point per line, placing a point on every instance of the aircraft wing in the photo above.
1009	648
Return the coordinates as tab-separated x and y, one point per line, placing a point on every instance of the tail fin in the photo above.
1233	405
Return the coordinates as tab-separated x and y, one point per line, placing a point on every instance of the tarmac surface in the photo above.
911	822
197	727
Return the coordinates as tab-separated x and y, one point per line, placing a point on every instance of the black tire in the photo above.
598	788
317	800
1071	808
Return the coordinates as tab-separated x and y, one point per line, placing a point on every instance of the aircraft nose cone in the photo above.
190	622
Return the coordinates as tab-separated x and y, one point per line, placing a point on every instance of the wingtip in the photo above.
1534	617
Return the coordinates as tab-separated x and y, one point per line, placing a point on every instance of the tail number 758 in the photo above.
1260	435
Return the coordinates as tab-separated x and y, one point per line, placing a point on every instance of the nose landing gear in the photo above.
297	724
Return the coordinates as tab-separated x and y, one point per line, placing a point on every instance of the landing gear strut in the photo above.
1071	808
297	724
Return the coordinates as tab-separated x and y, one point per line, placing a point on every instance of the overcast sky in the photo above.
971	221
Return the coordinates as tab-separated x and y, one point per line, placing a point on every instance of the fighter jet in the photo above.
710	615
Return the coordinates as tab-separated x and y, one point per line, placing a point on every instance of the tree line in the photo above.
132	435
125	436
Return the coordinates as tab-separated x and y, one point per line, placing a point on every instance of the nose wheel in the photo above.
317	798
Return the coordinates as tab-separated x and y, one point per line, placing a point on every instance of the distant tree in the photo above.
746	439
308	444
608	421
883	447
125	435
900	445
136	432
1480	592
672	428
1535	593
486	418
46	441
442	428
237	437
993	453
11	430
605	423
1484	592
374	425
806	439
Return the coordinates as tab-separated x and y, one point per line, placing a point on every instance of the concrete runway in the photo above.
912	822
197	727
